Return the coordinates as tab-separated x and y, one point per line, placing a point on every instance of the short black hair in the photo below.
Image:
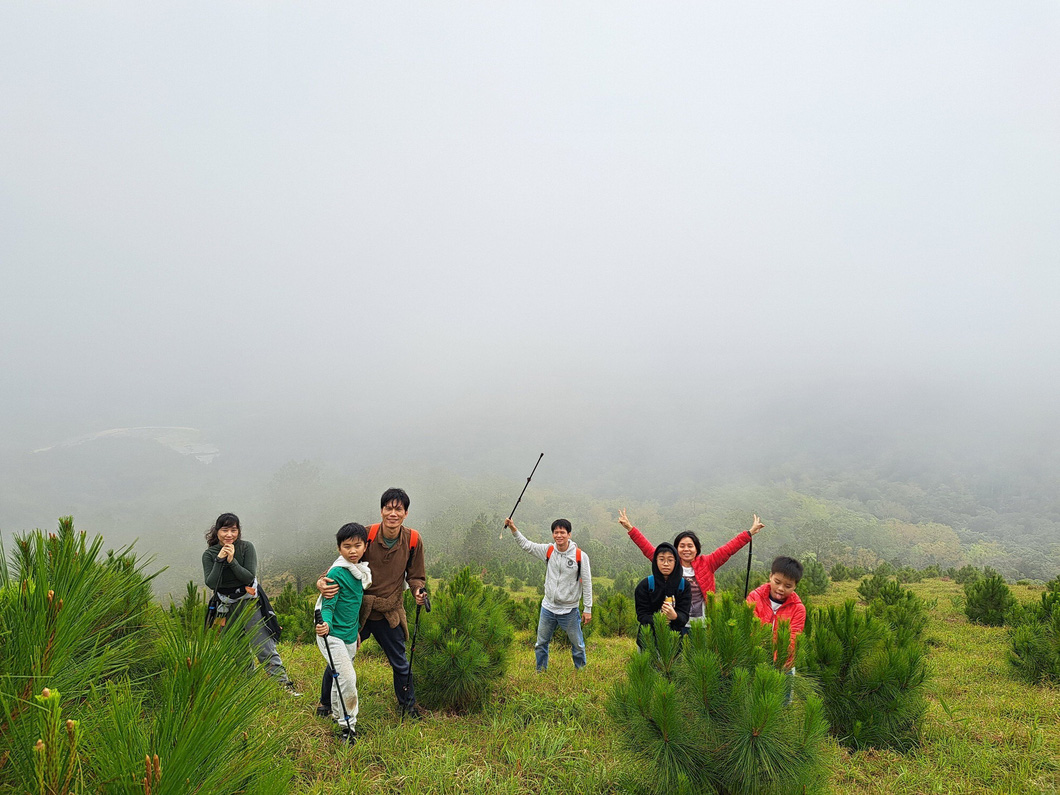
564	523
789	567
392	494
688	534
351	530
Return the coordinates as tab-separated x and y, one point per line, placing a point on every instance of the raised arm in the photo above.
718	557
638	538
537	550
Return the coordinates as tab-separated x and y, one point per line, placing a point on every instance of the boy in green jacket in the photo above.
341	615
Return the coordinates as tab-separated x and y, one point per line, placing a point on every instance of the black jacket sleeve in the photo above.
642	602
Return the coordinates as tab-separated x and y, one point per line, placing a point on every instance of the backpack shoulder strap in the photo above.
548	552
651	583
414	539
373	531
681	585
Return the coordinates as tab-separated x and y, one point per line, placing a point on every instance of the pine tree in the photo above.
967	574
709	714
463	646
906	613
815	579
870	587
987	600
871	679
294	611
840	572
1035	642
616	615
135	682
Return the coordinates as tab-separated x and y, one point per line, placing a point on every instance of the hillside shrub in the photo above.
133	682
871	679
815	579
1035	640
987	600
870	587
192	609
885	569
616	616
903	610
908	574
709	715
294	611
463	646
967	574
840	573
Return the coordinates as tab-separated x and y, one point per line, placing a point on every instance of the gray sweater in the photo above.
562	589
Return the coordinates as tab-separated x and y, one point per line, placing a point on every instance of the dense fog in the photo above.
810	248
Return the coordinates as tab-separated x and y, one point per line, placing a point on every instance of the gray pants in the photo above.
261	642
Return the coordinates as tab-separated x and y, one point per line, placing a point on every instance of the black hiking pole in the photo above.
412	649
319	619
747	578
521	493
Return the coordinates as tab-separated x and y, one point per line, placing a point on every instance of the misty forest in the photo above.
701	264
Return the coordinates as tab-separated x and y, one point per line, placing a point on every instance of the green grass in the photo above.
984	731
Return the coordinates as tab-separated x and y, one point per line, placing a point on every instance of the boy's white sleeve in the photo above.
587	584
537	550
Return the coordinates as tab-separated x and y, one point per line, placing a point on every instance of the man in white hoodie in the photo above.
568	581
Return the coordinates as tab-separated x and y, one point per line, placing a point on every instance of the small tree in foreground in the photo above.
815	579
987	600
906	613
1035	642
709	714
462	649
871	678
616	616
120	681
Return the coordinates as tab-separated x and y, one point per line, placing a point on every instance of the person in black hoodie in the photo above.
663	592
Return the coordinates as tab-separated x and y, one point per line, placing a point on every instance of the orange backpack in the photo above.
548	555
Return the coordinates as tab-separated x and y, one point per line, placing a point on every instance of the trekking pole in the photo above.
412	646
747	578
525	487
521	493
319	619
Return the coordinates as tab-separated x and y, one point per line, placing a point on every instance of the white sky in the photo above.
535	212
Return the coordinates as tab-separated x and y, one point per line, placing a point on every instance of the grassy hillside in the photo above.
984	731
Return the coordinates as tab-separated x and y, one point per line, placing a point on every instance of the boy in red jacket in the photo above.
775	600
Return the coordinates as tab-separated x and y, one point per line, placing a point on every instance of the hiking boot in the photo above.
289	687
323	712
348	737
412	713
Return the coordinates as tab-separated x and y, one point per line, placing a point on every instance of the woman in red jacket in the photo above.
698	570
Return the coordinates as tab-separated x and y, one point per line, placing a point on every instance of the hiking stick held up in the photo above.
521	493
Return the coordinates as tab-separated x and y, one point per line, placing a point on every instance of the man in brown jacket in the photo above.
395	556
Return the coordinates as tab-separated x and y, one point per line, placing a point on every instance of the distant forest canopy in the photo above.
845	502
